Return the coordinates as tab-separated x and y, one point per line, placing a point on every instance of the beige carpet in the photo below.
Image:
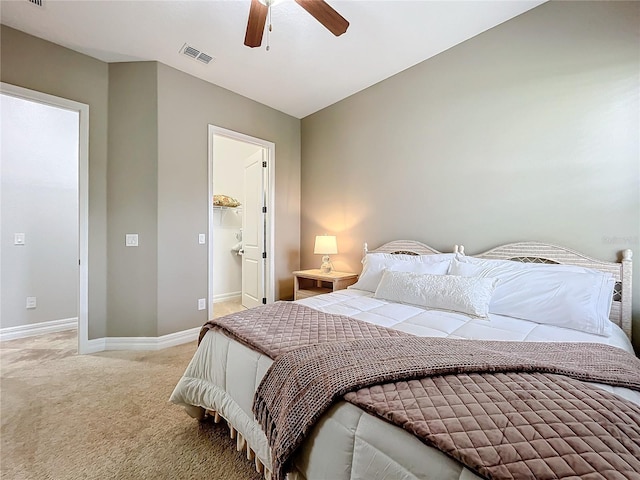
104	416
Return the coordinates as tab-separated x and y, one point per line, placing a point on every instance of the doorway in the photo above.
240	221
44	267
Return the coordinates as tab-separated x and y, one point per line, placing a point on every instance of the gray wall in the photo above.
39	197
529	131
140	287
33	63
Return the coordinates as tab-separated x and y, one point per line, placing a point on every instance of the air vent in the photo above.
37	3
194	53
204	58
191	52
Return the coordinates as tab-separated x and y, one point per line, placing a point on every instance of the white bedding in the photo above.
349	443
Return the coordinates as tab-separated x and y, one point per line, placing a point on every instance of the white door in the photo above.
253	231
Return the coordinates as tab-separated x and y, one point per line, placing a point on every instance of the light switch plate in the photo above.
131	239
19	239
202	239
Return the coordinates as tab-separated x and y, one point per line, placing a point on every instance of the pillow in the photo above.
468	295
512	265
373	264
563	295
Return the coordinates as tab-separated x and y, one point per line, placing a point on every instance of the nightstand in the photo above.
308	283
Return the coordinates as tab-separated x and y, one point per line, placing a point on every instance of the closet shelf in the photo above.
220	207
223	211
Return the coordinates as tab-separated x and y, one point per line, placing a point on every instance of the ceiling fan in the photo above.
319	9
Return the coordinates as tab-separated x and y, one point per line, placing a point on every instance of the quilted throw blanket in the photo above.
280	327
504	409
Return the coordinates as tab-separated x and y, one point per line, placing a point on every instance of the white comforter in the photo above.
349	443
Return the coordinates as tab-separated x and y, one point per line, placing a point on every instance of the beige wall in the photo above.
186	106
32	63
163	196
529	131
132	194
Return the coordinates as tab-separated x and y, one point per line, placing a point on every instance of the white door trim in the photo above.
83	197
270	148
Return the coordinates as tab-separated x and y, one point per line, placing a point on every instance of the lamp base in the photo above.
326	266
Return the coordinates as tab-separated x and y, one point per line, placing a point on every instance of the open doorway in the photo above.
43	219
240	221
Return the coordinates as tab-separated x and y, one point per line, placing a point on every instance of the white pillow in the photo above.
562	295
469	295
373	264
511	265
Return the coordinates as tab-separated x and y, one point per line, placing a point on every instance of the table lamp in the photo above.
325	245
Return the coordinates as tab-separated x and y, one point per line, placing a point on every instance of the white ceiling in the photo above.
306	68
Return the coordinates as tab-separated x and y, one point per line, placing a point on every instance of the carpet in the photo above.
104	416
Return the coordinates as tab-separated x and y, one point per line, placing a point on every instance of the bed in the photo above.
349	443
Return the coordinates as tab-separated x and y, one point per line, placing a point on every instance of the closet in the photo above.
239	222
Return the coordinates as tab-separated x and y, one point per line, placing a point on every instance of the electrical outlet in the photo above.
31	302
202	303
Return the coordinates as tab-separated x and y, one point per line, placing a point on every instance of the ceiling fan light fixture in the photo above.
318	9
270	3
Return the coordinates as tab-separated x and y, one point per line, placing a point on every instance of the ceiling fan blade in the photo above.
326	15
255	24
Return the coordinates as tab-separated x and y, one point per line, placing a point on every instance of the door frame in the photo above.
83	196
270	149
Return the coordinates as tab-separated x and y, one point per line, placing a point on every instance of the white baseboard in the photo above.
92	346
142	343
225	297
23	331
101	344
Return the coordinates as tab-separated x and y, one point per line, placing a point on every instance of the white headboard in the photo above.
534	252
407	247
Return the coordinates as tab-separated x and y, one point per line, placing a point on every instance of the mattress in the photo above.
348	443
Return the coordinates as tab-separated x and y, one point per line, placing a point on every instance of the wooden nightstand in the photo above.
307	283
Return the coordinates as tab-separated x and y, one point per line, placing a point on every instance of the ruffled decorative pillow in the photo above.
468	295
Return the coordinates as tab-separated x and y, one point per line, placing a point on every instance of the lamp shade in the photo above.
325	245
